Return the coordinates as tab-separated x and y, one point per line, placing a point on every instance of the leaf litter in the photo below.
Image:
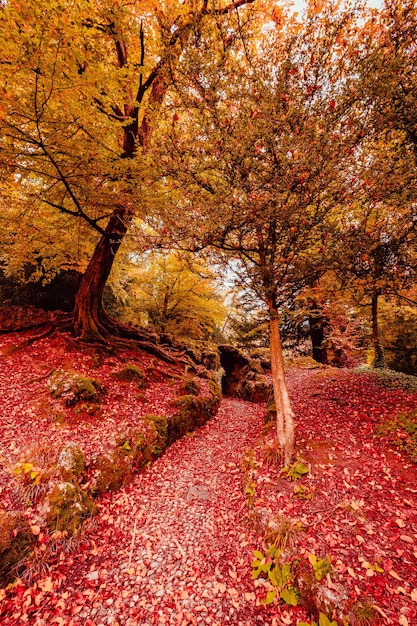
175	546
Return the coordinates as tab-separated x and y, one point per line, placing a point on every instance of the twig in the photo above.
132	544
180	548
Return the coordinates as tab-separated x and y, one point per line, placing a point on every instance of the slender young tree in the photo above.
273	147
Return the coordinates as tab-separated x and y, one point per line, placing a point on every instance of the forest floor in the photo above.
175	546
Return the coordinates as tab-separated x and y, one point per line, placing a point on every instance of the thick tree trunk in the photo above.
317	325
285	415
89	317
379	357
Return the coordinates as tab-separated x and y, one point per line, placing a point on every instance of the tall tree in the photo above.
270	160
83	86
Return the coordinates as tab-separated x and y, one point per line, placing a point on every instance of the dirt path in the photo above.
171	548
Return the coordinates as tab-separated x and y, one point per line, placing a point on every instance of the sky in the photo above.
299	4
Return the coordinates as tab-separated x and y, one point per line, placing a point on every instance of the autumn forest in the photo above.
208	312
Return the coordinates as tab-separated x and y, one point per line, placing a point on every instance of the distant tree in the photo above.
177	294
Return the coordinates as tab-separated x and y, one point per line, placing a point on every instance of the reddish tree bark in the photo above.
285	415
89	318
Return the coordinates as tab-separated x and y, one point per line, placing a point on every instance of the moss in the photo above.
71	461
16	543
159	431
112	471
210	359
136	445
69	506
73	388
196	409
255	388
190	387
132	373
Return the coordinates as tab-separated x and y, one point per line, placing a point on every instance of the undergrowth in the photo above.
401	432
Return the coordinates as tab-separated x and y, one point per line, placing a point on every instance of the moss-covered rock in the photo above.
73	388
210	359
255	388
71	461
158	425
112	471
132	373
16	543
69	506
137	445
263	356
189	387
196	410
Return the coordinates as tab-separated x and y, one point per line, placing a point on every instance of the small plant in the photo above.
16	542
271	453
364	613
33	474
295	471
323	621
321	567
280	576
283	532
30	474
303	492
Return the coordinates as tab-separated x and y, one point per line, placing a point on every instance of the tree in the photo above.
270	161
176	293
84	84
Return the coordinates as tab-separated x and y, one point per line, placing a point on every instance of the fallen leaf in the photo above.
394	574
46	584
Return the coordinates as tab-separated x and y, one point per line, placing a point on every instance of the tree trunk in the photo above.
317	323
285	415
89	316
379	357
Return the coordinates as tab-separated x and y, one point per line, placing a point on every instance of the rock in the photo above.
92	576
69	506
71	461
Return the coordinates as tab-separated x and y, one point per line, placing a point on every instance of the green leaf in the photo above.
270	596
289	596
324	621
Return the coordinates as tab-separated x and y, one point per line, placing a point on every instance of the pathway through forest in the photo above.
174	547
171	548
